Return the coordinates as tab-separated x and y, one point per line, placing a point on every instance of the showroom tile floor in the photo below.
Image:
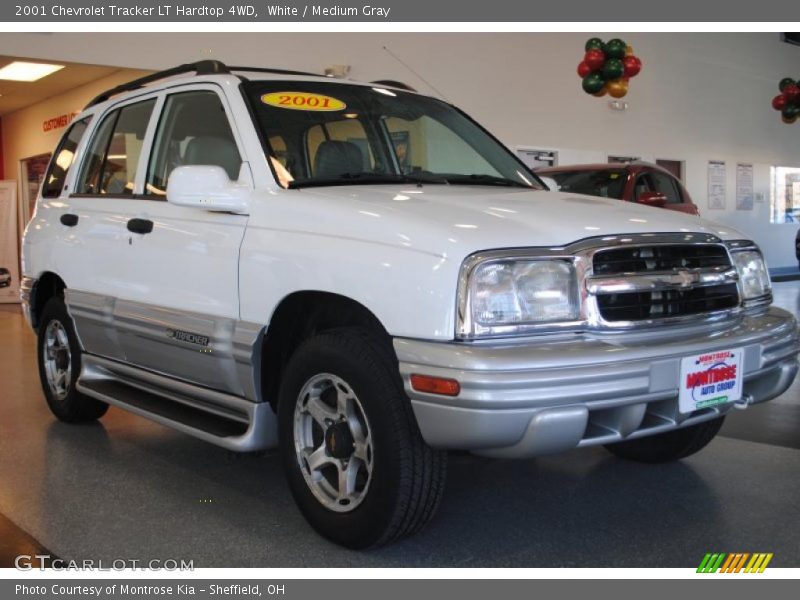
127	488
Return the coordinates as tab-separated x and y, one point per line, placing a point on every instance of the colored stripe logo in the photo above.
738	562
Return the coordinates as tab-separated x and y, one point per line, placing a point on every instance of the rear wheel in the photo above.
59	356
351	449
669	446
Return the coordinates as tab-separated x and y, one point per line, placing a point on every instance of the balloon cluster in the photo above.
788	101
607	67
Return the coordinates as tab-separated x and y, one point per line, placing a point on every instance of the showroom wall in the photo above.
699	97
23	134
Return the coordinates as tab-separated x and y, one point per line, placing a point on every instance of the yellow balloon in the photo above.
628	50
602	91
617	88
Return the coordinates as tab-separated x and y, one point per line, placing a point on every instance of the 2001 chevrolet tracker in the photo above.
365	278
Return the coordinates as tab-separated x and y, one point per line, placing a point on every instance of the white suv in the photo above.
365	278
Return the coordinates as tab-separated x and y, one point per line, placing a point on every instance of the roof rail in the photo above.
203	67
276	71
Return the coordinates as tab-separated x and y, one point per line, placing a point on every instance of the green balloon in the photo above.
593	83
613	69
615	48
786	81
791	110
594	44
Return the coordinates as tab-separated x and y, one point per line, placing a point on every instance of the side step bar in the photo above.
227	421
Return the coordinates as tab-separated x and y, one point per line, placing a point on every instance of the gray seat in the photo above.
213	150
335	158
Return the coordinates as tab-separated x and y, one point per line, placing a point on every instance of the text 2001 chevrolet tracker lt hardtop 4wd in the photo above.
365	278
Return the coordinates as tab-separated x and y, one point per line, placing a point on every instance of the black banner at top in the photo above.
613	11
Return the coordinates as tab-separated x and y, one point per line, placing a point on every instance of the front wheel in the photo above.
669	446
351	449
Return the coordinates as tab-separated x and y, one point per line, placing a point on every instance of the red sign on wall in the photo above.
58	122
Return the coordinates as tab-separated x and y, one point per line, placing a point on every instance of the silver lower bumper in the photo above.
546	396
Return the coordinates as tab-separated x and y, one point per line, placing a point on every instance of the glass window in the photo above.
654	181
604	182
113	156
339	133
194	130
347	133
62	159
784	195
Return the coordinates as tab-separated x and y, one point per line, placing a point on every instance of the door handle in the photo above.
69	219
140	226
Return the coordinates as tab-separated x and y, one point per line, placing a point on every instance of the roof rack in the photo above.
203	67
276	71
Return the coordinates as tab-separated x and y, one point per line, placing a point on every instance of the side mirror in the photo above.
207	187
653	199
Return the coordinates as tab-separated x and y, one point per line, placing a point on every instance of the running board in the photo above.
221	419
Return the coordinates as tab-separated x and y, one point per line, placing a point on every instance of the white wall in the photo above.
699	96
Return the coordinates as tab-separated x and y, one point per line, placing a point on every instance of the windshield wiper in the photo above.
367	177
478	179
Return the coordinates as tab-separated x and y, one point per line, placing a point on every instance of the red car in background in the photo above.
640	182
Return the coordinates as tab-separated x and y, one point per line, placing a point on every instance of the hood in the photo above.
440	218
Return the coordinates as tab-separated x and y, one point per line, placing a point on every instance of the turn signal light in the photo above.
435	385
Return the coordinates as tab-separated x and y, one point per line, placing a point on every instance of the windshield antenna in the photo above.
417	75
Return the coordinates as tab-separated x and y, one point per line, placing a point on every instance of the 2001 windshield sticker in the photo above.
710	379
303	101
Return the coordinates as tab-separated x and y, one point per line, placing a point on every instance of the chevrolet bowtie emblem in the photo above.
685	279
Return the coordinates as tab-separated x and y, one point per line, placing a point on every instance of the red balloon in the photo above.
778	102
583	69
632	66
595	59
792	93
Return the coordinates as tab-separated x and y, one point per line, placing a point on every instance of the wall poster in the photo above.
744	186
9	243
716	184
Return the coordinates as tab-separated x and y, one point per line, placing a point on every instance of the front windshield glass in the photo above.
607	183
322	133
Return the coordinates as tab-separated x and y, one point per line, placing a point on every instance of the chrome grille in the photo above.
659	258
641	283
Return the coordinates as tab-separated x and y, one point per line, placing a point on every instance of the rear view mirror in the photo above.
653	199
207	187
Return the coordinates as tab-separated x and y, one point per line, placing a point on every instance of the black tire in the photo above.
408	477
73	407
669	446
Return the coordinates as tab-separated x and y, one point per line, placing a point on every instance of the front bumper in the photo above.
550	395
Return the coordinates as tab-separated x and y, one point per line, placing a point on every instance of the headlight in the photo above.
753	275
505	296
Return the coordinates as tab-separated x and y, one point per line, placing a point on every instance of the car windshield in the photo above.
320	133
609	183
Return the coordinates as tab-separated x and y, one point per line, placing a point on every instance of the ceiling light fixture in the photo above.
27	71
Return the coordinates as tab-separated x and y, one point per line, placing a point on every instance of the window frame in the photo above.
99	119
674	181
67	175
159	119
160	97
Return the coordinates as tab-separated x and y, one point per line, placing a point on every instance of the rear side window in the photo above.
193	130
659	182
62	159
604	182
113	155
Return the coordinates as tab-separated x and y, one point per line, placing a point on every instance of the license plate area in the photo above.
710	379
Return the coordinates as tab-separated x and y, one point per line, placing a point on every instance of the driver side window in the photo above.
193	130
